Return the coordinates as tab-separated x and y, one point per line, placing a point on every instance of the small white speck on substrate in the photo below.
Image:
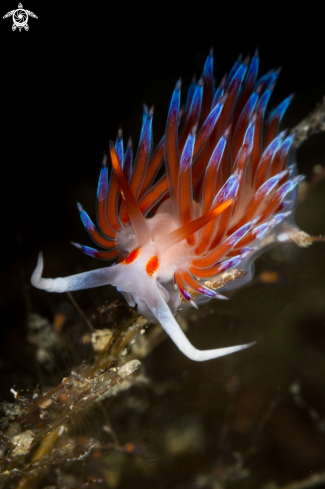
15	393
142	331
61	430
283	237
132	341
124	352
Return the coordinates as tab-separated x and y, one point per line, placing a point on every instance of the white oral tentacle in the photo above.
86	280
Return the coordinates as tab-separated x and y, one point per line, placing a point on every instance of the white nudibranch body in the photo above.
215	190
145	278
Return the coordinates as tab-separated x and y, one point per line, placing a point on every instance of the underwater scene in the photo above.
163	272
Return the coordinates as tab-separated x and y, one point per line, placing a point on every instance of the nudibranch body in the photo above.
190	218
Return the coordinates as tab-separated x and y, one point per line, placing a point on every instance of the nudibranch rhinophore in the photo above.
189	218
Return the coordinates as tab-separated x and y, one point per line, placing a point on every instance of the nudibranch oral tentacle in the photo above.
182	231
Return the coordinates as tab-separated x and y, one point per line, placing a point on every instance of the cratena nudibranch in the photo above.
182	221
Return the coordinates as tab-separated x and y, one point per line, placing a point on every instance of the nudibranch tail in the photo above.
217	190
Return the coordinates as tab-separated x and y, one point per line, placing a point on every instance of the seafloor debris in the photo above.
312	124
34	430
44	338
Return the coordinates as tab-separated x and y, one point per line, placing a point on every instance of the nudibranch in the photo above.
188	218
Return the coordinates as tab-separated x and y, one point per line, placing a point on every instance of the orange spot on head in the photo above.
152	265
132	256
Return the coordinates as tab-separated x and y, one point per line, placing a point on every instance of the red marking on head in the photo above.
152	265
132	256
